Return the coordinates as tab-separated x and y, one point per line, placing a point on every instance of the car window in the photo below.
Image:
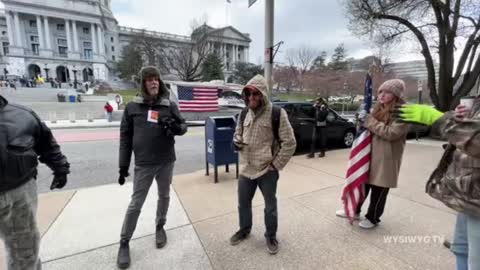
306	111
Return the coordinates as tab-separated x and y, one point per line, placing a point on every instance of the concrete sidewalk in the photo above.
81	228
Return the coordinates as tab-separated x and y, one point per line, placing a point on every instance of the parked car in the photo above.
302	118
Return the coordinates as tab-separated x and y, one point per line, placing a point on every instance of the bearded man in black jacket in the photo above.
148	127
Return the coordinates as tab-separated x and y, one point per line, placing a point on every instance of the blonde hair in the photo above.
383	112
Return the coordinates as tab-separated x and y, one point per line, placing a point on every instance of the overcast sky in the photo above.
317	23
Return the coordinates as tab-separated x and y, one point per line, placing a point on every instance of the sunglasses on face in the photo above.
250	93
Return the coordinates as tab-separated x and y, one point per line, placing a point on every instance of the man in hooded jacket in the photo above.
148	127
263	156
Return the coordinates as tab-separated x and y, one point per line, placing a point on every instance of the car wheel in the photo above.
348	138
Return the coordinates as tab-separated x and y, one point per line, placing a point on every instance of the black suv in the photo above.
302	119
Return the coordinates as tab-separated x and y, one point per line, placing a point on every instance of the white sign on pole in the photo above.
251	2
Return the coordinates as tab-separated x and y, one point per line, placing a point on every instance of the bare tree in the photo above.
440	27
186	59
300	61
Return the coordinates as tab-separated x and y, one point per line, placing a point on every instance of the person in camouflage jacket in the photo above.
456	180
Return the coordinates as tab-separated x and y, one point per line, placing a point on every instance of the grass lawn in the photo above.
127	95
294	96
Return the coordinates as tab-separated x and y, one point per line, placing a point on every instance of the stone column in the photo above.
75	36
10	29
17	30
69	37
101	44
40	33
47	33
235	53
224	46
247	56
94	42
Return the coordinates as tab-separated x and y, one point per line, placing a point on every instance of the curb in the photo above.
86	124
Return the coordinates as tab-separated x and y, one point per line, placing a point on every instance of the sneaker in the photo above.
341	213
366	224
310	155
238	237
160	237
272	246
322	154
123	258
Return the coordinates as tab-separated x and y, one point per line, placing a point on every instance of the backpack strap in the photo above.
276	111
243	115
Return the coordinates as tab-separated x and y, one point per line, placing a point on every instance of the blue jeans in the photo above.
466	242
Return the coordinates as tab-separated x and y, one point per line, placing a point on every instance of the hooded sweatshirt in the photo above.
148	140
258	155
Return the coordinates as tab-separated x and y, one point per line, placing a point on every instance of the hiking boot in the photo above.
272	246
310	155
160	237
238	237
123	259
341	213
322	154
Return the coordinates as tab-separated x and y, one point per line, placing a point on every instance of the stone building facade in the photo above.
82	40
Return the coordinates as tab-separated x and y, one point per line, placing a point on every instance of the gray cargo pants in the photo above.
18	227
142	181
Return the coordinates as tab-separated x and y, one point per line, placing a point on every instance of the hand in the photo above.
418	114
461	112
59	181
362	115
123	174
238	145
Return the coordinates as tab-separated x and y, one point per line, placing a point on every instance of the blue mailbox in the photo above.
218	143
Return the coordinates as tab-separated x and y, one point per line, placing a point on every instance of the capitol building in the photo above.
82	40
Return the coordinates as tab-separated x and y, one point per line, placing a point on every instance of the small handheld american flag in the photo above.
359	162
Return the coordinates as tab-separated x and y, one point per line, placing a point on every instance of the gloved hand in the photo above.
170	126
59	181
123	174
362	115
418	114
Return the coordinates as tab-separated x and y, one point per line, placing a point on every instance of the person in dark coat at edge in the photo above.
148	127
321	112
24	139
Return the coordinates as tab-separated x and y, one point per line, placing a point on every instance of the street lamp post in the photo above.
269	28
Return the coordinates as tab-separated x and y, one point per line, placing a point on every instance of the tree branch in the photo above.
425	51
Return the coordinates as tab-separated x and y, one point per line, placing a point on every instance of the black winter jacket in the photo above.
149	141
23	139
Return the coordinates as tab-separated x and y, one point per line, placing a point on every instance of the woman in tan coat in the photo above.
388	143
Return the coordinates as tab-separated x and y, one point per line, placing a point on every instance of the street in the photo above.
93	156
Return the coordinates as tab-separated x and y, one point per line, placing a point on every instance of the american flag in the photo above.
197	99
359	162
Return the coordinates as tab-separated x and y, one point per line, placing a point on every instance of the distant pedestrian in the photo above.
319	134
109	111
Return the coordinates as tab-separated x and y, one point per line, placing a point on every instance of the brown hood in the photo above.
152	71
259	83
